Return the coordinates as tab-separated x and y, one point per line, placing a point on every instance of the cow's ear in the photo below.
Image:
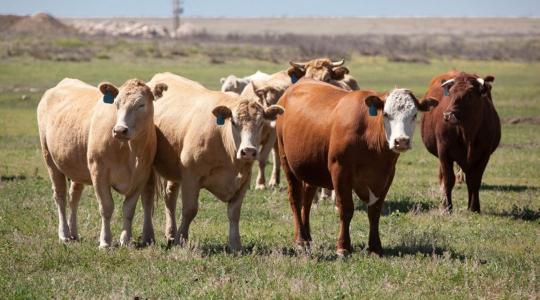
271	112
427	104
221	113
222	80
339	72
158	90
489	79
486	87
296	73
109	92
374	102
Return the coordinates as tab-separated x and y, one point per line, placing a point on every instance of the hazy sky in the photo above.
246	8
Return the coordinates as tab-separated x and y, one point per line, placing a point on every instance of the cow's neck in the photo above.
138	145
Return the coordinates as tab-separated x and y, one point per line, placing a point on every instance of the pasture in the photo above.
427	255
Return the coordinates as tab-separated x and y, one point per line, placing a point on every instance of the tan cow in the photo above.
205	139
267	92
89	141
326	70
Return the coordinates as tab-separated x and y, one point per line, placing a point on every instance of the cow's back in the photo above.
306	128
186	131
64	115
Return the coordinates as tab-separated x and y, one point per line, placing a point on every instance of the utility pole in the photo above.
178	9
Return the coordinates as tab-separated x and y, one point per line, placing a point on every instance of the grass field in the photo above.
428	255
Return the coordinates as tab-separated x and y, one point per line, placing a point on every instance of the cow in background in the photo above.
236	85
464	128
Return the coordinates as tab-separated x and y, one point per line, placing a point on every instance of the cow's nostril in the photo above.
248	152
120	129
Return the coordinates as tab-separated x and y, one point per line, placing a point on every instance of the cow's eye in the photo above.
140	106
385	114
414	117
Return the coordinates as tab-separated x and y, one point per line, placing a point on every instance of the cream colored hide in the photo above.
267	92
206	139
106	145
236	85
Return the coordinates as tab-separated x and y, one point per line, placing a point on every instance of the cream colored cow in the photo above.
267	92
205	139
106	145
236	85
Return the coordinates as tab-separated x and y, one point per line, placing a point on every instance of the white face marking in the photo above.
399	119
372	198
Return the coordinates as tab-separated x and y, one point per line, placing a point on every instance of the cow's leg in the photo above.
374	214
190	207
129	205
447	180
473	178
276	169
295	199
233	212
147	198
75	193
59	187
307	199
106	206
263	158
171	197
342	185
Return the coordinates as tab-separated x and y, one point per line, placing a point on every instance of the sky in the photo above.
274	8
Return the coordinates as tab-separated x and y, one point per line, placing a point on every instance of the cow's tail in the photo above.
159	187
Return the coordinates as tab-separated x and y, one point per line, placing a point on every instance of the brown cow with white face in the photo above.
465	128
327	139
269	90
108	143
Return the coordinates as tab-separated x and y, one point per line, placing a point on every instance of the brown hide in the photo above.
468	136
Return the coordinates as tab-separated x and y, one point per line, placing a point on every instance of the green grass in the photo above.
428	255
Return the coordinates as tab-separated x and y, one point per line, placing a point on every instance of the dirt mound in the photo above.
40	23
6	21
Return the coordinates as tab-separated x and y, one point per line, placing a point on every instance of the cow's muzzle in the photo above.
248	154
450	117
402	144
121	132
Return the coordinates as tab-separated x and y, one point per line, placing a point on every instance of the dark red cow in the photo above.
464	128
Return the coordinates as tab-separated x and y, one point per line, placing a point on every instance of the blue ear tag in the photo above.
446	92
108	98
294	79
220	120
372	110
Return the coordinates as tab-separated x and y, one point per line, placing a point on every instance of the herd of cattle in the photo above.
325	132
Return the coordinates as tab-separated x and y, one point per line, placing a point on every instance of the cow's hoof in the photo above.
445	210
235	249
260	186
375	252
64	240
125	239
104	245
272	183
147	241
343	253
